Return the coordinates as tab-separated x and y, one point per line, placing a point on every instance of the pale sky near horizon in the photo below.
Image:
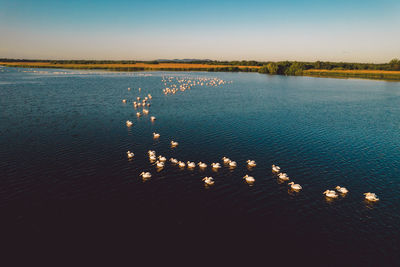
307	30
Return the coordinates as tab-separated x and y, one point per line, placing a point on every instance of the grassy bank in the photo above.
365	74
285	68
134	67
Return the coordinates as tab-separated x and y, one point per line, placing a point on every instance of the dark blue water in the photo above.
65	177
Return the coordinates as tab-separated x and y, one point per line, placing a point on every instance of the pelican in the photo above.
138	114
249	179
208	180
181	164
138	98
191	164
342	190
294	186
202	165
129	88
174	161
145	175
153	118
149	95
276	168
173	143
160	164
123	100
161	158
130	154
330	194
371	197
251	163
226	160
129	123
156	135
152	157
215	165
151	152
283	176
145	111
232	164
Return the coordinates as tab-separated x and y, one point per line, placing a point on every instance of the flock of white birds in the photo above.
174	85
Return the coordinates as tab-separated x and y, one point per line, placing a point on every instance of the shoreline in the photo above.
321	73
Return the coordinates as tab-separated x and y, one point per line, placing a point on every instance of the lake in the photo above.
65	176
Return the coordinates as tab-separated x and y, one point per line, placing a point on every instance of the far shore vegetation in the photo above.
386	71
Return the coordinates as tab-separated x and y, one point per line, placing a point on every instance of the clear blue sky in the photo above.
337	30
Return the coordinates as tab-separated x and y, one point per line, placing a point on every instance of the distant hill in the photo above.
183	60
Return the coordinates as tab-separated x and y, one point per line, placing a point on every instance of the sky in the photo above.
269	30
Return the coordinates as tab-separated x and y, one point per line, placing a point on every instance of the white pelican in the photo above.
330	194
129	88
149	95
129	123
215	165
123	100
152	157
342	190
145	174
226	160
232	164
283	176
138	114
151	152
130	154
173	143
156	135
174	161
249	179
202	165
276	168
251	163
160	164
371	197
208	180
138	98
191	164
181	164
161	158
145	111
153	118
295	186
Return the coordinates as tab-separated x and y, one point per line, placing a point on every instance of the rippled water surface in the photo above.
64	169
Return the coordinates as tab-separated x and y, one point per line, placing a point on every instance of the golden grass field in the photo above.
367	74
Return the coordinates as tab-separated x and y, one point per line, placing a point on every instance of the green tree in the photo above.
395	64
272	68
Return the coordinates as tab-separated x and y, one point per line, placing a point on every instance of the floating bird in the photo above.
232	164
138	114
130	154
283	176
129	88
173	143
276	168
145	111
145	174
129	123
181	164
156	135
123	100
226	160
294	186
249	179
160	164
151	152
161	158
330	194
202	165
215	165
153	118
342	190
191	165
152	157
251	163
174	161
208	180
371	197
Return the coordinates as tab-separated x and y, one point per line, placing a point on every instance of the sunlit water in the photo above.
64	170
